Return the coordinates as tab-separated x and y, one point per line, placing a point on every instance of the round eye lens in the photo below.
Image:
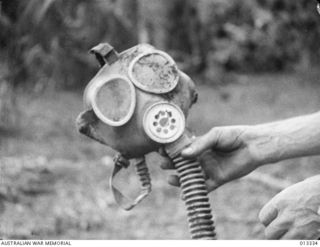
114	101
154	72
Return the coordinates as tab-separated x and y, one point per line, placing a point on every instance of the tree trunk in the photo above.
153	22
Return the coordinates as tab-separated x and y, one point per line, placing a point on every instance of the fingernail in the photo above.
187	151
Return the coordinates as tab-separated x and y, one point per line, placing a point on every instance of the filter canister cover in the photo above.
164	122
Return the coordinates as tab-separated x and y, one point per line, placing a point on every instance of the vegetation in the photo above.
53	182
46	41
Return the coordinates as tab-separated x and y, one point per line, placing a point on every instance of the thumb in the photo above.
202	143
268	213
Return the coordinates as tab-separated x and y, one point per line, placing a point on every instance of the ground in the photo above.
54	182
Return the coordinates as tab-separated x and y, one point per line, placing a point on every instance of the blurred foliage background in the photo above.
252	60
48	39
44	42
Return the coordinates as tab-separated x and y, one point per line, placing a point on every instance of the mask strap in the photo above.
105	53
143	173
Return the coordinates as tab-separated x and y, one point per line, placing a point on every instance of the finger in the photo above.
278	227
268	213
310	230
165	161
162	152
202	143
291	235
166	164
275	232
174	180
211	185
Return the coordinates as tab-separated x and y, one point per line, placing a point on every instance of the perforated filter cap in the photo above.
164	122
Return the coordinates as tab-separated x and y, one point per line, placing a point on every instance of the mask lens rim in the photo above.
149	89
100	114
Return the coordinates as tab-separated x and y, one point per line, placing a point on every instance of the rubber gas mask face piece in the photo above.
113	99
128	88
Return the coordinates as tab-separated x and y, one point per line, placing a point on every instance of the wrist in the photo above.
263	144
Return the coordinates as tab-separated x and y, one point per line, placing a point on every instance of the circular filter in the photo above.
114	101
164	122
154	72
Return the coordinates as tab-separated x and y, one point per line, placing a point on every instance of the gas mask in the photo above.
138	103
140	98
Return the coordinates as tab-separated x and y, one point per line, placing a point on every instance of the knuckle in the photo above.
213	130
213	133
309	221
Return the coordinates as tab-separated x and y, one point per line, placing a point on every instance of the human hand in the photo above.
225	153
294	213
